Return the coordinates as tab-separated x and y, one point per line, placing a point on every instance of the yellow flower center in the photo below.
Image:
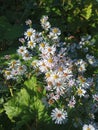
82	79
42	45
79	91
7	72
29	33
88	128
47	75
26	55
55	76
50	60
55	30
33	63
31	43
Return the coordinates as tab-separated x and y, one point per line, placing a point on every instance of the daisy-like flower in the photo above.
91	59
67	73
37	37
55	31
31	44
81	65
55	77
60	87
8	74
34	63
88	127
44	19
49	62
21	69
85	82
48	50
45	23
14	63
21	50
42	66
72	102
80	92
29	33
26	56
42	46
59	116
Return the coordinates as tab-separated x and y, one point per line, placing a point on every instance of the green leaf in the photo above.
17	104
87	12
31	84
26	105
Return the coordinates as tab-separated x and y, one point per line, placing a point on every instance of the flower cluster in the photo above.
69	87
15	70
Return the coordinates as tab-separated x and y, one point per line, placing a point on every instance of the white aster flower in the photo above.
8	74
21	69
42	46
91	59
55	31
14	63
48	50
88	127
80	92
85	82
81	65
44	19
42	66
59	116
45	23
34	63
21	50
31	44
30	32
37	37
55	77
26	56
67	73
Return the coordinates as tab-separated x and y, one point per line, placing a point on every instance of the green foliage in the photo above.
65	13
8	32
76	18
26	105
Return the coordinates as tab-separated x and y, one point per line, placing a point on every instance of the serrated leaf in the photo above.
26	104
17	104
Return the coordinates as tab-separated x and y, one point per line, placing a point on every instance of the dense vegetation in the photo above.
20	104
